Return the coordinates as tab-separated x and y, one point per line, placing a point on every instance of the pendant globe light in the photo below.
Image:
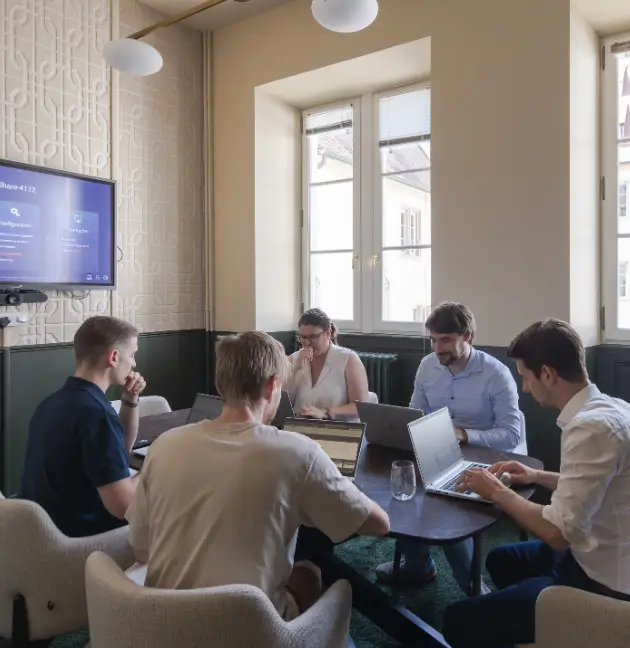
135	57
345	16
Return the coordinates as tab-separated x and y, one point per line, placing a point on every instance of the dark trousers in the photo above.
506	617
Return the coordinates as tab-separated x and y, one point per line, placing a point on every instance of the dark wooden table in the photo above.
435	519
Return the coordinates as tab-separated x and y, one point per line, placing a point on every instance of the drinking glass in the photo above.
403	480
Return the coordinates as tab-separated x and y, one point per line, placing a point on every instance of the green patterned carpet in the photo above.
364	554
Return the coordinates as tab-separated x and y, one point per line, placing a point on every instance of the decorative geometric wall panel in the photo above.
161	182
56	109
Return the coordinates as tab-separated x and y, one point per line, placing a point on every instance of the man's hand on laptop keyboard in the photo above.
482	482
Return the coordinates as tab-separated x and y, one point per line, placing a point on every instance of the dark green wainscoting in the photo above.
543	435
179	364
173	363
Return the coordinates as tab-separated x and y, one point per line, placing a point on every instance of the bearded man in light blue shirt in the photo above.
482	399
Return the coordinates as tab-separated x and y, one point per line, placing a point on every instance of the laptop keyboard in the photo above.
450	485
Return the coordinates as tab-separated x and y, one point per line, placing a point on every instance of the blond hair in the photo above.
245	362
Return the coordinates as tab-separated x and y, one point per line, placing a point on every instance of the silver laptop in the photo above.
386	425
440	459
341	441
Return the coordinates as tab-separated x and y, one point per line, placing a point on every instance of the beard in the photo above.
447	359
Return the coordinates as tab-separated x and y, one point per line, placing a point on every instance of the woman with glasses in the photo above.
326	379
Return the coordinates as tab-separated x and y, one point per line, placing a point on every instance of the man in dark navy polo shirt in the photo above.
76	464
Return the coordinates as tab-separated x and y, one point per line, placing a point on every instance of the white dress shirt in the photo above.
591	505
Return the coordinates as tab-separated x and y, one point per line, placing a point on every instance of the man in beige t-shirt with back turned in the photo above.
220	502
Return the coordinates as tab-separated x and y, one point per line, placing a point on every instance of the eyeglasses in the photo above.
309	338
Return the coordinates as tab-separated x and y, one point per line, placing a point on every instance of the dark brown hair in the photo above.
245	362
317	317
100	334
552	343
451	317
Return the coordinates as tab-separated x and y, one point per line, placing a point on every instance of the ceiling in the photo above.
216	17
606	16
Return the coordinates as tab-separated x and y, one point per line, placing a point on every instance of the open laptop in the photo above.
285	411
440	459
340	440
205	407
386	425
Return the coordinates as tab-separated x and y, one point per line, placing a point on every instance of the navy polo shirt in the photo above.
75	445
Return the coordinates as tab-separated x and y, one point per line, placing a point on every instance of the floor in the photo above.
364	554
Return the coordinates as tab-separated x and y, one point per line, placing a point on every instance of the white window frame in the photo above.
352	325
367	215
610	195
380	325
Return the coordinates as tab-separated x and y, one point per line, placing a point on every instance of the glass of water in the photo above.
403	480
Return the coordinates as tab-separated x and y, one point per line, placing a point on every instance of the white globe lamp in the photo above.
133	57
345	16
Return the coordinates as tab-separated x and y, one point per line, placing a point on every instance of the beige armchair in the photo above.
125	615
571	618
148	405
42	573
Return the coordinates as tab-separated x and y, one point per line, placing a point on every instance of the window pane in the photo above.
403	157
623	290
407	193
623	73
623	184
330	156
331	216
405	115
332	284
327	118
406	285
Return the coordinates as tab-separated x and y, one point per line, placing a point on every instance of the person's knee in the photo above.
497	560
305	584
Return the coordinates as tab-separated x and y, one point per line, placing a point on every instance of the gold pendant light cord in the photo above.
167	22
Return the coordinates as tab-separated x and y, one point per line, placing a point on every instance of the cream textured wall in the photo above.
277	226
500	135
59	108
585	202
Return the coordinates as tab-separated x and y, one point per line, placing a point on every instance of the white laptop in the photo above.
440	459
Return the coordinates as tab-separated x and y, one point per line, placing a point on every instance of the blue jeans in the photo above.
459	555
506	617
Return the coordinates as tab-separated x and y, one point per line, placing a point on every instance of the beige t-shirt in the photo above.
221	504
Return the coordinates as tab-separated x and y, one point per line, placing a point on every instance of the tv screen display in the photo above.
57	229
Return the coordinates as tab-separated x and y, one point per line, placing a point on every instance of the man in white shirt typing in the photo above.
220	502
585	531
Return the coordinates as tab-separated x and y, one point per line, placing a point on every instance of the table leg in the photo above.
397	558
475	573
369	599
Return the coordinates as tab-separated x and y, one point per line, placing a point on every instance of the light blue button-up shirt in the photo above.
482	398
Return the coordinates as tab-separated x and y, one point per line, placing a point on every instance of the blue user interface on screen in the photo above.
55	229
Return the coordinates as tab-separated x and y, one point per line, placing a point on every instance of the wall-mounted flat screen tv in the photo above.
57	229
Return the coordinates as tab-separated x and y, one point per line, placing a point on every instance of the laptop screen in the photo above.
340	441
205	407
435	444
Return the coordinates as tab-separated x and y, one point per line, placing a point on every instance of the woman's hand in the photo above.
311	411
305	356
